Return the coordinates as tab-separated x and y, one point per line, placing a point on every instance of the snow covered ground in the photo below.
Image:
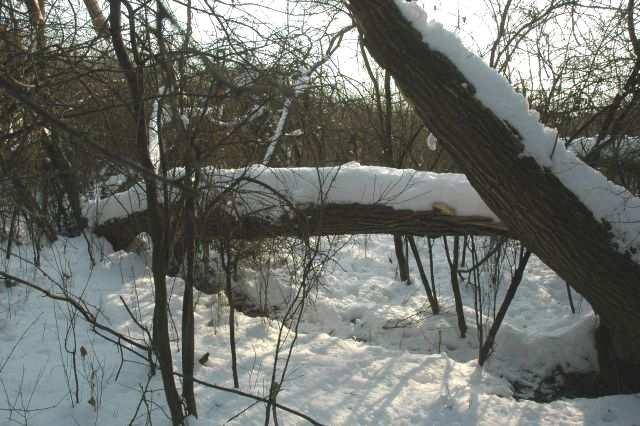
368	351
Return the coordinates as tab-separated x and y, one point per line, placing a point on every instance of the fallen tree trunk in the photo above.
534	203
260	202
330	219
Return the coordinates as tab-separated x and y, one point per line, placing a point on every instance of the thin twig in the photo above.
257	398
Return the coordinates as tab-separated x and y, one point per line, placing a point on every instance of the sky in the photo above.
464	17
461	16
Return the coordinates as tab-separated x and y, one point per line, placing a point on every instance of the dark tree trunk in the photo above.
161	339
533	203
66	175
388	156
455	283
12	230
433	301
28	203
402	258
487	346
329	219
227	265
188	336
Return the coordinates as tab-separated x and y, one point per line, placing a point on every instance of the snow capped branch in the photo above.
255	112
432	142
301	84
155	124
254	190
277	134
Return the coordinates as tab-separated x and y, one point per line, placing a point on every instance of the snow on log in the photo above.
259	201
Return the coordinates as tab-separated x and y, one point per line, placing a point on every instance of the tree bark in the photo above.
317	220
455	283
161	339
188	321
100	24
532	202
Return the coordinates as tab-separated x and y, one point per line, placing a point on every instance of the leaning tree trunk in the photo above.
531	201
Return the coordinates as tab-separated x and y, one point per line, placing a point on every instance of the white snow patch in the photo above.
432	142
297	132
396	377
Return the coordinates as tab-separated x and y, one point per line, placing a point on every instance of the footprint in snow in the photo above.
609	416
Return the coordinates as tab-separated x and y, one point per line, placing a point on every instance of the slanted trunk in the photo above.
536	207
